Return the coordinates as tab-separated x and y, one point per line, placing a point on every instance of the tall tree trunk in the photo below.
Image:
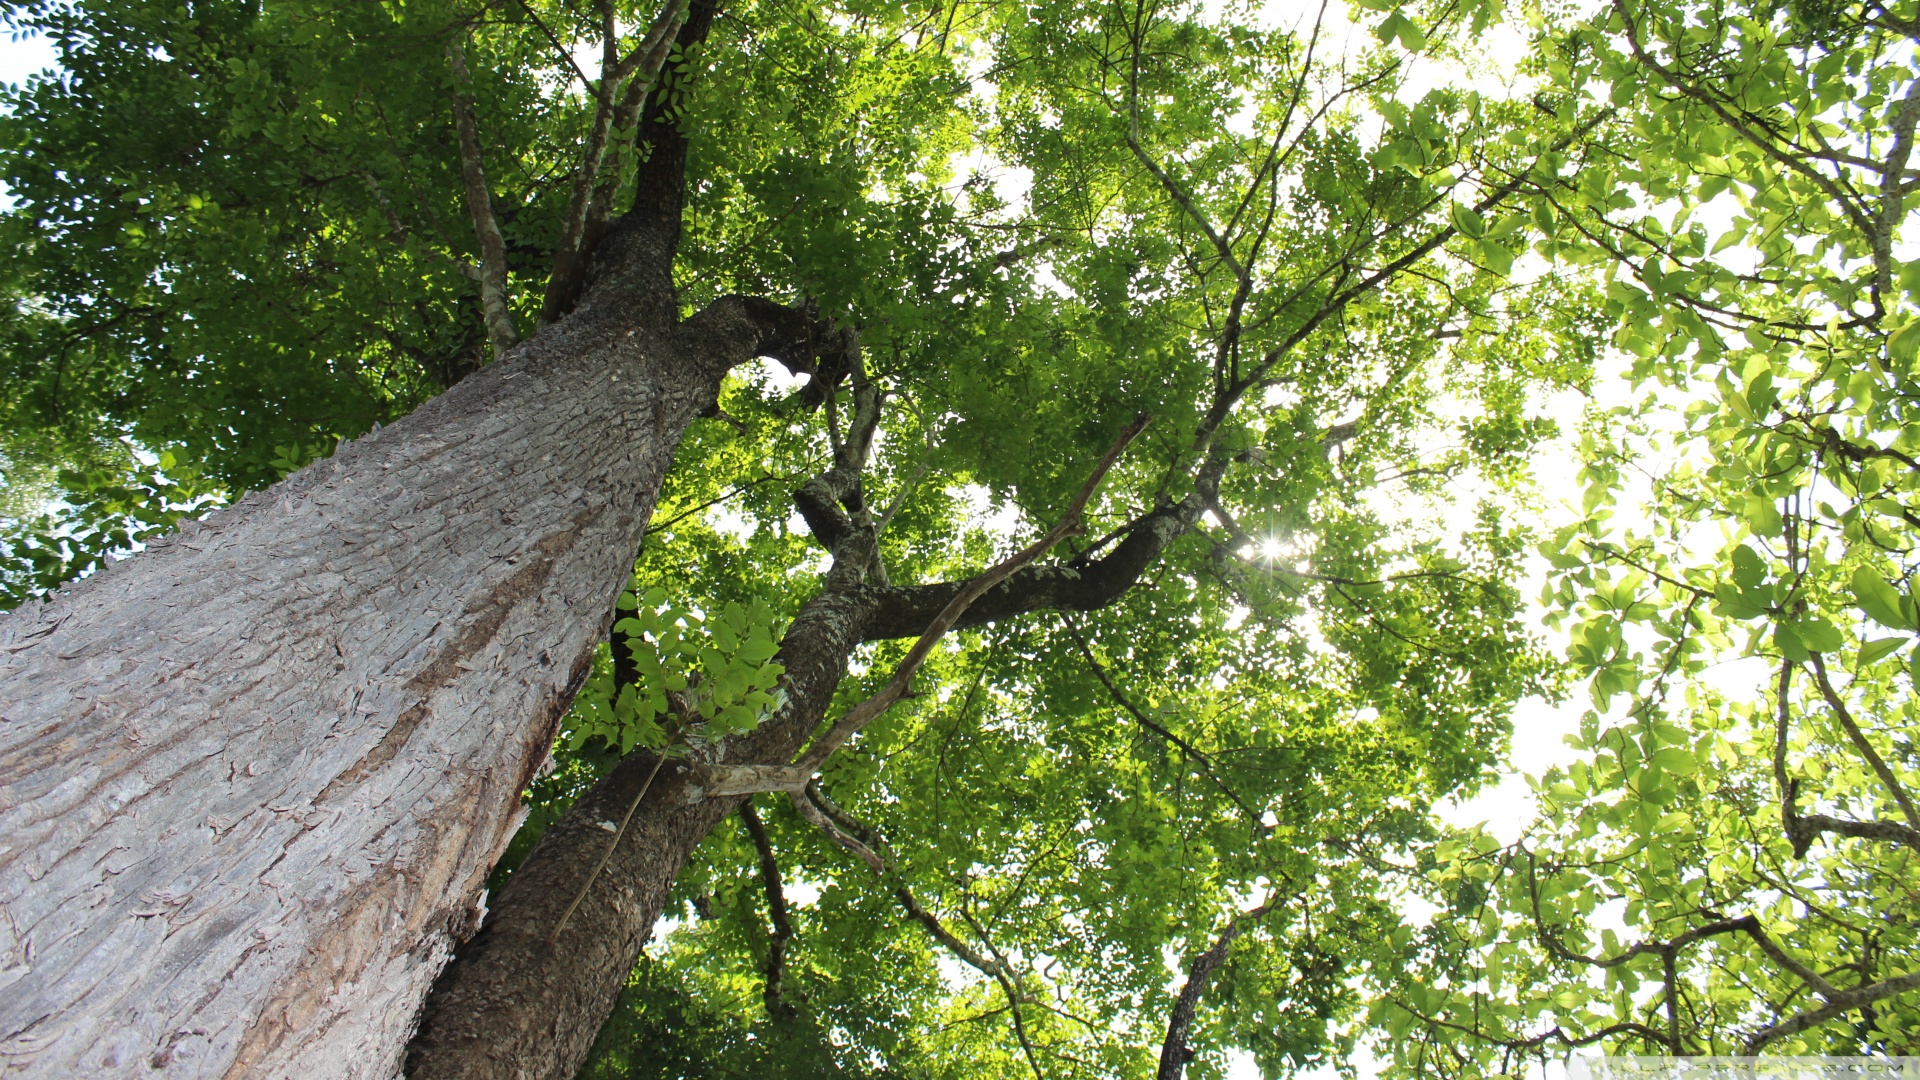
251	780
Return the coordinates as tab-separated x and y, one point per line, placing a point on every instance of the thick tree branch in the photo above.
632	259
1078	585
1803	829
1893	193
613	844
724	781
643	66
754	326
897	687
1844	1001
901	611
626	118
493	248
1174	1051
1887	831
833	504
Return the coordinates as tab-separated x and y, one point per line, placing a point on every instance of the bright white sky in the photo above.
19	59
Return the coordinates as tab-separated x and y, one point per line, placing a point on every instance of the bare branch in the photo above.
1224	402
1888	831
906	490
1860	743
1744	924
1837	1004
1173	188
782	925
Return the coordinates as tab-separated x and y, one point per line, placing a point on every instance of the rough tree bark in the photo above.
251	780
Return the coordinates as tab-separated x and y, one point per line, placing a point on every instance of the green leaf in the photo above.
1763	516
1749	569
1872	652
1467	220
1819	635
1397	25
1881	601
1903	344
1789	643
1675	760
1496	258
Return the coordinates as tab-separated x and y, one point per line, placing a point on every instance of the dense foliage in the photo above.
238	235
1730	865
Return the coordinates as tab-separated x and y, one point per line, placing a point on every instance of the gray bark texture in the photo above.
512	1005
251	780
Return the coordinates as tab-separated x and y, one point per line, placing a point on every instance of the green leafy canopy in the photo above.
238	235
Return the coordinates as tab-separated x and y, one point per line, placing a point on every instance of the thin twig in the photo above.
840	826
608	854
1113	691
